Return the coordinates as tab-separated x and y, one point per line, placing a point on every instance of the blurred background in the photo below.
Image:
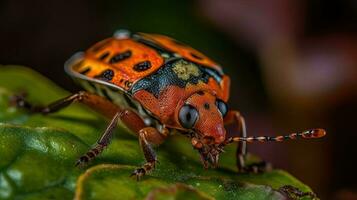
293	65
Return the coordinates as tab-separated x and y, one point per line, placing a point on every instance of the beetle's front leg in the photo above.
235	117
149	136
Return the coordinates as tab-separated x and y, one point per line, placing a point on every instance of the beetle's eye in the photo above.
222	107
188	115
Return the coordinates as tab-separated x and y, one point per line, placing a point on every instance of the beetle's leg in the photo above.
21	102
149	136
101	143
128	117
94	101
236	117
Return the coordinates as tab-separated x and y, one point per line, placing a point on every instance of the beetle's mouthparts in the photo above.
209	153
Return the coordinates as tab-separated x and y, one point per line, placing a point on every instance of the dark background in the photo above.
293	64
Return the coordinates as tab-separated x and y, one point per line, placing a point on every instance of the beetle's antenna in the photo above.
309	134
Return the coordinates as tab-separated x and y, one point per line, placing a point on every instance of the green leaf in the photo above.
37	156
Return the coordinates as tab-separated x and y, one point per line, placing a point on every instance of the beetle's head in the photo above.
201	115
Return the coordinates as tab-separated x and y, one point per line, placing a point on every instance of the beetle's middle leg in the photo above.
103	141
128	117
149	136
236	117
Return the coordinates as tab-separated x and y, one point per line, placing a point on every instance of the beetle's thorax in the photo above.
173	84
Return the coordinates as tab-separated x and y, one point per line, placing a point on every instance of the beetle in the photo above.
156	86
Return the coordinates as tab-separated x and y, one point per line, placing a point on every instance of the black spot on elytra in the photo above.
143	66
104	56
206	105
106	75
200	93
85	71
120	56
196	56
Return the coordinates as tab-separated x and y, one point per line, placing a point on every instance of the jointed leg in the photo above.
147	137
94	101
128	117
236	117
21	102
101	143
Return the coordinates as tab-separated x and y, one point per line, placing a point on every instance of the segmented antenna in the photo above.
309	134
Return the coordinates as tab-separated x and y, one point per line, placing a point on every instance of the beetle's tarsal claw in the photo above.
138	173
19	100
145	169
82	162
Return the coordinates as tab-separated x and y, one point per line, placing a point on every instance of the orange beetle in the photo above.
155	85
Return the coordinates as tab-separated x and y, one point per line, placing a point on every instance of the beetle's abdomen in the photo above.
125	59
